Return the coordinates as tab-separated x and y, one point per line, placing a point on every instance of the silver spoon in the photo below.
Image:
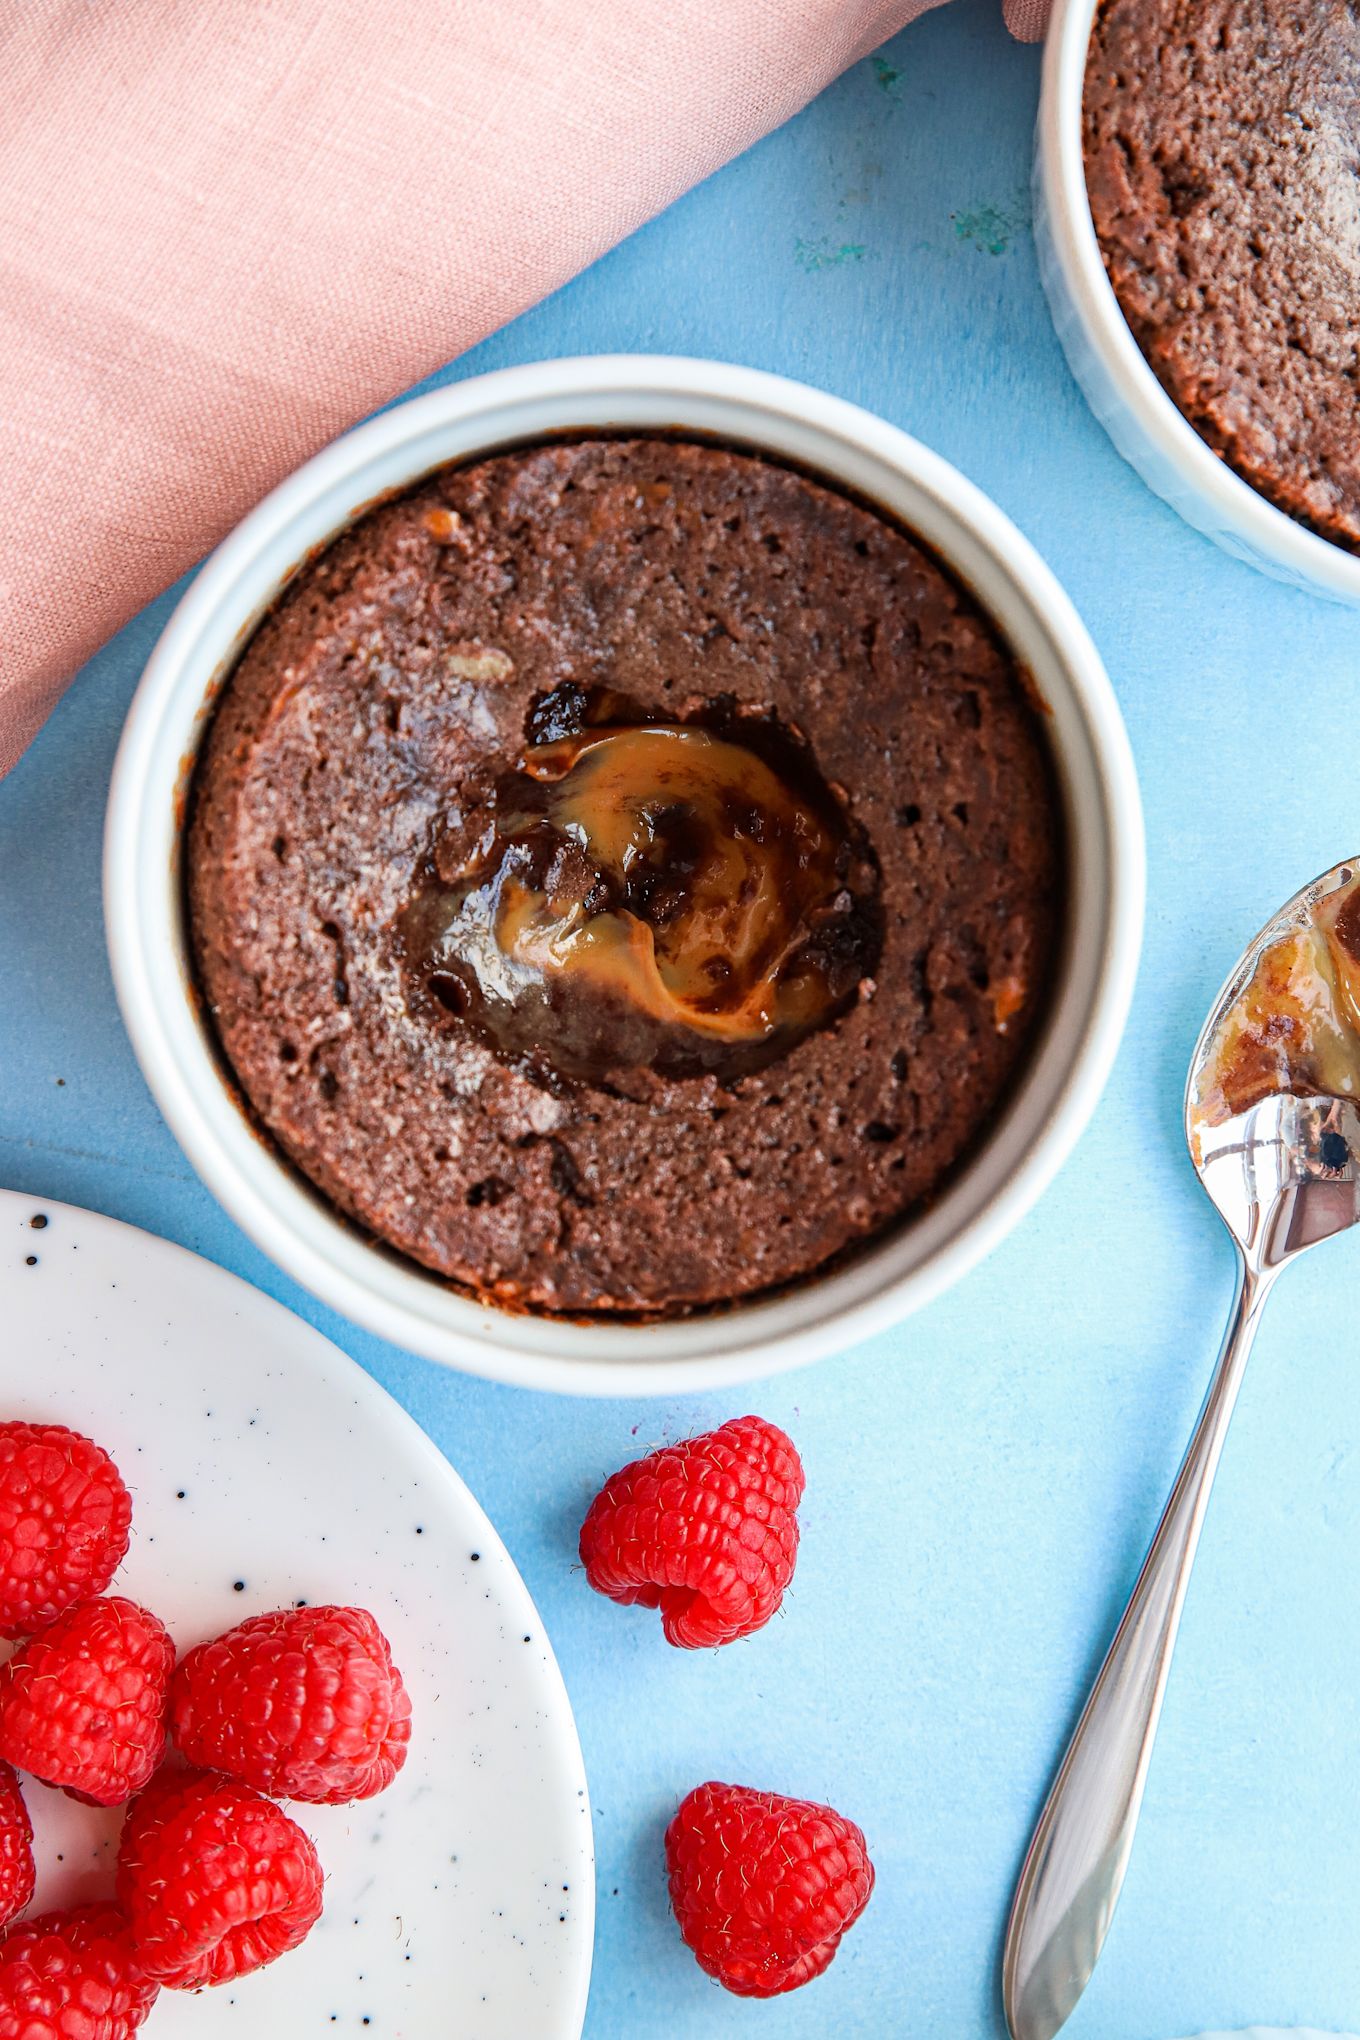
1283	1176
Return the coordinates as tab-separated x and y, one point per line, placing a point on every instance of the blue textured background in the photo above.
983	1481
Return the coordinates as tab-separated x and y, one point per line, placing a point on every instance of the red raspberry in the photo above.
763	1887
215	1879
704	1531
72	1976
64	1517
83	1704
305	1703
16	1848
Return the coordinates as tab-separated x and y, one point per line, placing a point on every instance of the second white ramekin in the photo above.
147	937
1141	419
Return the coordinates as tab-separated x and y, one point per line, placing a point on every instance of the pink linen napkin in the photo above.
229	228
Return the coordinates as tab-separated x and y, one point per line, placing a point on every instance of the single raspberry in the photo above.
83	1704
64	1517
763	1887
72	1976
704	1531
215	1879
16	1848
305	1703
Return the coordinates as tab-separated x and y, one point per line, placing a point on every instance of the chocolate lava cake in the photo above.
625	875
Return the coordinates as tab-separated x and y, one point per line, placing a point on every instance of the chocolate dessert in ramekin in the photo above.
625	875
1221	140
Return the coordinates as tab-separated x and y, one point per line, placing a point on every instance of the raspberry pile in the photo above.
214	1879
706	1531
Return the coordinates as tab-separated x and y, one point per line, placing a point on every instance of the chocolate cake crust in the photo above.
412	661
1221	140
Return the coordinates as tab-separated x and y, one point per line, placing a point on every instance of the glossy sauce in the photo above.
1295	1026
651	895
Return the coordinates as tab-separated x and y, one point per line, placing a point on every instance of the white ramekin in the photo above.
395	1298
1148	429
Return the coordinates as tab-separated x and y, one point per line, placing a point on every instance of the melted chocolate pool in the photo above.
650	895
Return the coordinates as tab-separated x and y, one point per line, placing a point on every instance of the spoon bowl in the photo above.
1283	1174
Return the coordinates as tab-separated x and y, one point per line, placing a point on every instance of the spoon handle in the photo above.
1070	1882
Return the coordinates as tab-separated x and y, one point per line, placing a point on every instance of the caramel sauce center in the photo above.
654	895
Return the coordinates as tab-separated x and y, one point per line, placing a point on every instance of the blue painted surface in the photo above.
983	1481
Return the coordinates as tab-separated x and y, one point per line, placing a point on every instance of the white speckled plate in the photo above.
266	1468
